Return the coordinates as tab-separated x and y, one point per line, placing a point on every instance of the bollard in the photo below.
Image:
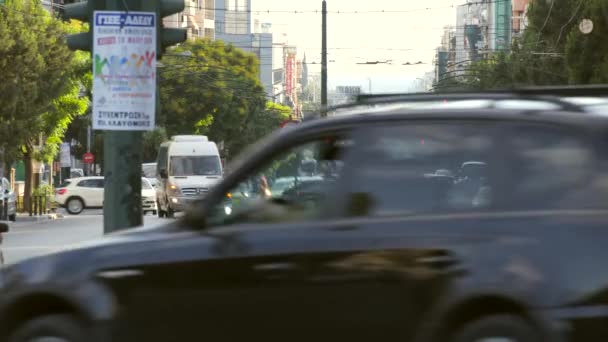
34	199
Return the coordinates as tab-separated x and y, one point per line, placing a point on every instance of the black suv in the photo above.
437	224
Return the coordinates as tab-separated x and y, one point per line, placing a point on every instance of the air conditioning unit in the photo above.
189	138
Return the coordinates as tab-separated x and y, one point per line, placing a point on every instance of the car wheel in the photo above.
74	206
498	328
12	217
53	328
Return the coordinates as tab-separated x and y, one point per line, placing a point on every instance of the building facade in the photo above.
198	18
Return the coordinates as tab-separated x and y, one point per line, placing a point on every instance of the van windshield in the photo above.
195	166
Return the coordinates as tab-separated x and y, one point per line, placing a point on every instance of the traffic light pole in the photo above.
123	149
122	172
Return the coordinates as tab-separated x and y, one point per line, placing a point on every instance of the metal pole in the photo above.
88	166
324	60
122	156
122	171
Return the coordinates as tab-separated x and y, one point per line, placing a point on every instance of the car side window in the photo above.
421	168
552	167
85	184
99	183
293	186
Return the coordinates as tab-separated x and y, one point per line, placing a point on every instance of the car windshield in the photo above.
195	166
149	170
145	185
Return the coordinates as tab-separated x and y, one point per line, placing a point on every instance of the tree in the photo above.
151	143
551	50
587	54
38	91
210	88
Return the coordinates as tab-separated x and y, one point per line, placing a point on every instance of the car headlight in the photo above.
174	190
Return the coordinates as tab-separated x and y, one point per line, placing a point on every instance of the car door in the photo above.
419	225
97	192
85	189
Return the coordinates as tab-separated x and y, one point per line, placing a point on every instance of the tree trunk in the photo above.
28	159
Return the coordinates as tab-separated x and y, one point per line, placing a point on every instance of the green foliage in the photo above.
211	88
551	51
35	69
151	143
587	55
43	190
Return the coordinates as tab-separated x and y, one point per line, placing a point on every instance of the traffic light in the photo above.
82	11
168	36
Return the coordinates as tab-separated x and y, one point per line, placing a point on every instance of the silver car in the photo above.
7	195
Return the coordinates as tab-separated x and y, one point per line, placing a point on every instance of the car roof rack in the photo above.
551	94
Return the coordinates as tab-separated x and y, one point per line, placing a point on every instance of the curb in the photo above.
31	219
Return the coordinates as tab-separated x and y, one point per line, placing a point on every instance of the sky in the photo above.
408	36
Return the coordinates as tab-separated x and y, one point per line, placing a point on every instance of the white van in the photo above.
187	166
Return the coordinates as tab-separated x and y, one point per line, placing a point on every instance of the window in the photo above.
550	166
294	186
148	170
419	169
195	166
145	185
91	183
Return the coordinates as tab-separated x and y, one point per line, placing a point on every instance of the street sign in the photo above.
88	158
65	158
124	70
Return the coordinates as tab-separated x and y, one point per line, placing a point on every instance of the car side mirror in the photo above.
164	174
3	228
7	191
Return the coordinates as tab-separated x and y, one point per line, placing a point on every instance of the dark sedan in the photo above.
383	252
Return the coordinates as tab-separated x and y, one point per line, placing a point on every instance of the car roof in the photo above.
374	115
371	116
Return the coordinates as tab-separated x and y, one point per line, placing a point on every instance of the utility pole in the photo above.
123	148
324	60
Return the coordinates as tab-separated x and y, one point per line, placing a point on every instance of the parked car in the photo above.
3	229
148	197
8	195
149	172
76	195
385	253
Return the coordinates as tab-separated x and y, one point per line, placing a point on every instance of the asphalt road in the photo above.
25	240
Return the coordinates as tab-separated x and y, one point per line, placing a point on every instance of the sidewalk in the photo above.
25	218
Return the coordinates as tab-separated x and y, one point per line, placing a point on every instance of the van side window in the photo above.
162	159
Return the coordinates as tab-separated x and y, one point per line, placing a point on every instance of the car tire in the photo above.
498	327
77	206
53	327
12	217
